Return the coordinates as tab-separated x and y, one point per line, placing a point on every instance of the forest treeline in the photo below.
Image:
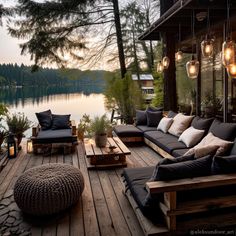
14	75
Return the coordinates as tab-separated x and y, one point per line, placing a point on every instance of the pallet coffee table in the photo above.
105	157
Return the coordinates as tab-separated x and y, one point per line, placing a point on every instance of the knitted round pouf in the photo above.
48	189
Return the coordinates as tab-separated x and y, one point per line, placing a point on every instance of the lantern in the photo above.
192	68
165	62
160	67
228	52
29	146
207	47
178	56
231	69
11	146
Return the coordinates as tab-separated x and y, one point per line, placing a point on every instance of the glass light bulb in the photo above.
192	68
165	62
228	52
178	56
207	47
160	67
232	70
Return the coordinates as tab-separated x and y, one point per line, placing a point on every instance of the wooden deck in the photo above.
102	210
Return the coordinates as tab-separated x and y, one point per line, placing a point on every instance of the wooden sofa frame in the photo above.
36	146
172	208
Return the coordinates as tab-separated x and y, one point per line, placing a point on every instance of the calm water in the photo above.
74	101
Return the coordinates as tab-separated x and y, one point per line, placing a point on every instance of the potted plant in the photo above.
99	127
83	126
18	123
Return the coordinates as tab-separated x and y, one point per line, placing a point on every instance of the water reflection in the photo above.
61	100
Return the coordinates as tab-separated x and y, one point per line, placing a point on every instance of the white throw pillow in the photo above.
191	136
209	143
180	124
165	124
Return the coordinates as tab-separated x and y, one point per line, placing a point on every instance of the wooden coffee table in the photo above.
104	157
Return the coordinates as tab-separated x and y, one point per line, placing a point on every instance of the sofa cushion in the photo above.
224	164
165	124
136	179
167	142
145	128
209	144
153	118
60	121
226	131
202	123
233	149
127	131
191	136
179	152
45	119
171	114
185	169
141	117
166	161
180	123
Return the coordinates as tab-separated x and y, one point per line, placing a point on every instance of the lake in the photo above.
61	100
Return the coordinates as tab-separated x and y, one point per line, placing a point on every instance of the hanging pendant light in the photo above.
179	53
207	45
228	46
192	66
232	71
165	62
160	67
228	52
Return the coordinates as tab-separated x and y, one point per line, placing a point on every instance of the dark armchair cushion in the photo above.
224	164
153	118
141	117
186	169
60	121
226	131
45	119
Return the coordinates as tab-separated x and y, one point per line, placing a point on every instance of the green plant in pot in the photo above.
100	127
83	126
18	123
3	135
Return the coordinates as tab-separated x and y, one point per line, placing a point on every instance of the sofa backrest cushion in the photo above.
165	124
186	169
191	136
202	123
153	118
141	117
209	144
224	164
45	119
60	121
180	124
226	131
233	149
171	114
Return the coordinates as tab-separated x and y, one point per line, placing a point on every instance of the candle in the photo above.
11	151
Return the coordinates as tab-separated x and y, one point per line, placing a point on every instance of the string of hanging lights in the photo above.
179	53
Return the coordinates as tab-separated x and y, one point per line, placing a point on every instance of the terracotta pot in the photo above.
101	140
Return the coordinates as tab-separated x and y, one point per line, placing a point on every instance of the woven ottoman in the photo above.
48	189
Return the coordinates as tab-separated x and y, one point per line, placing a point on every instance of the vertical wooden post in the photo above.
170	202
225	94
199	81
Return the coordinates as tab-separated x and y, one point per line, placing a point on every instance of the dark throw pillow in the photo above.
60	121
202	123
186	169
141	117
171	114
153	118
224	164
150	108
226	131
45	119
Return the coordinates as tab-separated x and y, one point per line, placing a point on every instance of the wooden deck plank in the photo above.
105	222
120	225
90	219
